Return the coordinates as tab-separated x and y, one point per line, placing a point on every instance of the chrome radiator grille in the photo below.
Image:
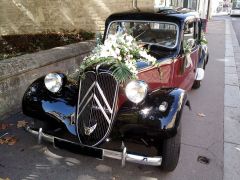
96	107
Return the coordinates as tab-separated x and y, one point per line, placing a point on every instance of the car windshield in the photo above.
158	33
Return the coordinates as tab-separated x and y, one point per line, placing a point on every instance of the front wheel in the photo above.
170	151
196	84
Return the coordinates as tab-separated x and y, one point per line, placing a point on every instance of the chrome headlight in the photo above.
53	82
136	91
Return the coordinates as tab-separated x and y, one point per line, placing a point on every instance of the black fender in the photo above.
146	121
56	108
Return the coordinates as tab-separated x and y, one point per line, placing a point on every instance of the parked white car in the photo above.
235	11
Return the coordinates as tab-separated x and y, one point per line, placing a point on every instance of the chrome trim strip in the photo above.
92	86
85	105
101	108
123	156
104	98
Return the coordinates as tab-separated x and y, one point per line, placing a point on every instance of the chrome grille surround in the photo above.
96	109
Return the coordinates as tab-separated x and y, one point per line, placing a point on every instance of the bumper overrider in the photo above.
94	151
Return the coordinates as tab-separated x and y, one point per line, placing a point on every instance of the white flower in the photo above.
117	50
114	45
129	38
143	54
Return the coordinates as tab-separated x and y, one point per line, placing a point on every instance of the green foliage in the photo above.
121	72
186	47
203	39
15	45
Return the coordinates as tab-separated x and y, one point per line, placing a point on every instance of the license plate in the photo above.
78	149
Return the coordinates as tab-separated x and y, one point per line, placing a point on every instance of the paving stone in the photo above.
235	42
232	125
229	45
231	161
236	49
230	61
237	55
231	79
232	96
229	51
230	70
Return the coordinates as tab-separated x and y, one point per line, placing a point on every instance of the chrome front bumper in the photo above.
123	156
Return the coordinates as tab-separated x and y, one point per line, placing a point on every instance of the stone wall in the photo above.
36	16
16	74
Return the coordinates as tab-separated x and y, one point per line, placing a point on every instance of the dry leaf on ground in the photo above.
4	178
10	140
2	142
201	115
21	124
3	126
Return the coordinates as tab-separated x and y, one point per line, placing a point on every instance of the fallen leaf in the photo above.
3	126
2	142
4	178
21	124
115	177
201	115
10	140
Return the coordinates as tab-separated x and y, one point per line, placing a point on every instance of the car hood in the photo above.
159	53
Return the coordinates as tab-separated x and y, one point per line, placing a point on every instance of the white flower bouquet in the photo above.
121	52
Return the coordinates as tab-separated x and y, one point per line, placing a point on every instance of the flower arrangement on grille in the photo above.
121	52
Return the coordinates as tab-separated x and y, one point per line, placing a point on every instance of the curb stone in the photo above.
231	105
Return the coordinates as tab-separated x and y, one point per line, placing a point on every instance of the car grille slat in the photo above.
97	101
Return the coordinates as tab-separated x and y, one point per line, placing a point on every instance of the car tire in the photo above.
196	84
170	151
206	62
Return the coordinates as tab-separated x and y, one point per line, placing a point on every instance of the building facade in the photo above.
37	16
31	16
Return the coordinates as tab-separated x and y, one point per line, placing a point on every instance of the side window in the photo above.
191	33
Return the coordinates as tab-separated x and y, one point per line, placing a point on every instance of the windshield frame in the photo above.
149	43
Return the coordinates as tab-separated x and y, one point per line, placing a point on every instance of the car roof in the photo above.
170	15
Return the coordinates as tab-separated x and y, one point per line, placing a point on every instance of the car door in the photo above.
185	64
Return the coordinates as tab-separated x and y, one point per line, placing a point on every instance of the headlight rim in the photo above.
59	77
145	91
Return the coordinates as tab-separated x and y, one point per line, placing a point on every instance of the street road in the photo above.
202	136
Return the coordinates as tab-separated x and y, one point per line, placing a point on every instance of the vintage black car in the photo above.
137	122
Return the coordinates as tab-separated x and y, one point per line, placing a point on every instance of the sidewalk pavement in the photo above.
231	105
